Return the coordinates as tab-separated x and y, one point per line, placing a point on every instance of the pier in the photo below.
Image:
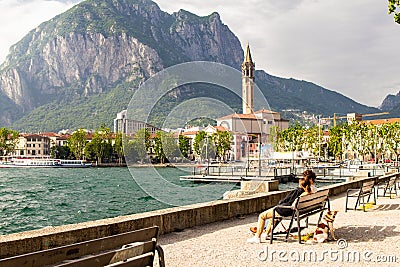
236	174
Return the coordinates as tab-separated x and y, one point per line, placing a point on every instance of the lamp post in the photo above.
319	137
259	156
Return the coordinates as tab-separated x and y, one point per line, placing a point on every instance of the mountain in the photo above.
82	67
391	104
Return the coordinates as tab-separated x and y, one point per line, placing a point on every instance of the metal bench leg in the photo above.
160	252
289	228
298	229
363	203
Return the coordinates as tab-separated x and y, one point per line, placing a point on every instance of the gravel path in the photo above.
371	238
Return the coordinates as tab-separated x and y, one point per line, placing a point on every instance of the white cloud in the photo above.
346	46
18	17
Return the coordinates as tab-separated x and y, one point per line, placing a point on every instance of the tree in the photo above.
77	143
222	143
392	7
118	147
292	138
90	153
60	152
184	145
165	146
198	141
8	141
102	143
137	148
335	144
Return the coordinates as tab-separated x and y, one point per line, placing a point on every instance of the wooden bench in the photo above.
135	248
388	186
306	206
366	190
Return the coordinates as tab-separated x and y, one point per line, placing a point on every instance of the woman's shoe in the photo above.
255	240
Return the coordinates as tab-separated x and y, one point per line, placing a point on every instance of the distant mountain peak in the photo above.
390	102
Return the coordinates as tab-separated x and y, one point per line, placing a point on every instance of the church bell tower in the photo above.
248	82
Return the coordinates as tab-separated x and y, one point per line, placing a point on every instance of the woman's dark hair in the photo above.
305	183
310	175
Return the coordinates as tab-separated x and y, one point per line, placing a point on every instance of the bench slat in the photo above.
142	260
59	254
110	257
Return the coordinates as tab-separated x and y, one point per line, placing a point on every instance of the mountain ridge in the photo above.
83	57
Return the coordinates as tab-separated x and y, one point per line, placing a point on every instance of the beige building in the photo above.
32	145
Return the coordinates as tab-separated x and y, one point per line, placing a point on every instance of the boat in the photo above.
74	163
44	163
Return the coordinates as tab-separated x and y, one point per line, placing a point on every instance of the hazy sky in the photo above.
349	46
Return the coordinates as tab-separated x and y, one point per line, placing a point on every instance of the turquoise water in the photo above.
34	198
40	197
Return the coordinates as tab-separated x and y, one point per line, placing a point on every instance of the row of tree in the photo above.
363	140
106	147
165	148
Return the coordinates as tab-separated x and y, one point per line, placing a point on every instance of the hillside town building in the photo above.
129	127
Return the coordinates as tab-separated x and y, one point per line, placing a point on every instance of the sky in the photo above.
350	47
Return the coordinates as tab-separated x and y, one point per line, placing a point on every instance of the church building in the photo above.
251	129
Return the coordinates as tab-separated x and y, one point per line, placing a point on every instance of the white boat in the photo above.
74	163
44	163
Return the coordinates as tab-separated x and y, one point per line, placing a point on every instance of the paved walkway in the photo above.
369	238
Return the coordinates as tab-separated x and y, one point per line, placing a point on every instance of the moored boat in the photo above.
44	163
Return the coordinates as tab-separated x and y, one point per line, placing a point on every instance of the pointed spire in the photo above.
247	57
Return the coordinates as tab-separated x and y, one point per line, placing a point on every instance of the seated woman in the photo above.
306	186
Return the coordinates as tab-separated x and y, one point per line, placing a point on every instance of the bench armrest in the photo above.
284	207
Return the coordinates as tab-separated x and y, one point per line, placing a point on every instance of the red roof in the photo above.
382	121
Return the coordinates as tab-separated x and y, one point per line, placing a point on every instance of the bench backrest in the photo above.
367	187
313	202
392	180
136	243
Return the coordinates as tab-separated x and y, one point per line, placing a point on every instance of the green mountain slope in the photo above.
80	68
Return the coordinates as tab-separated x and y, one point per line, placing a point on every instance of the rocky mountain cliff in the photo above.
80	68
390	102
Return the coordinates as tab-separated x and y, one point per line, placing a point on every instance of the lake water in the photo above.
33	198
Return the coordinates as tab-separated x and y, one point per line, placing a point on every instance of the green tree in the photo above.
184	145
165	146
102	143
336	138
90	152
391	134
77	143
394	5
118	147
292	138
198	142
60	152
8	141
222	143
